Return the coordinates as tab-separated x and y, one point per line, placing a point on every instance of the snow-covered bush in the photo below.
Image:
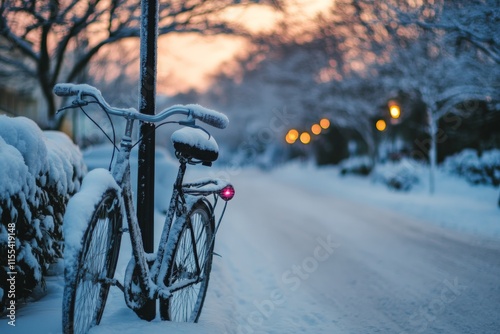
475	169
39	171
397	175
360	165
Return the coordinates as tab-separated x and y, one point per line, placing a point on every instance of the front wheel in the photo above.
191	259
89	267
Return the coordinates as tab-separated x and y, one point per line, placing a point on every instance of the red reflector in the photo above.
227	192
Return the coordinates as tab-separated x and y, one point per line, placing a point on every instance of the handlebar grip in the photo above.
65	89
209	116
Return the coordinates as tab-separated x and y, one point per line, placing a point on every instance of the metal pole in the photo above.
146	163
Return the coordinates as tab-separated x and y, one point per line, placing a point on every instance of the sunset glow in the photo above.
186	61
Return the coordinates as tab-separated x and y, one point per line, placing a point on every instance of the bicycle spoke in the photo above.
185	304
89	288
85	296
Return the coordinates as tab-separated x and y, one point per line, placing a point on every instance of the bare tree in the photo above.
419	50
362	53
457	61
36	36
464	22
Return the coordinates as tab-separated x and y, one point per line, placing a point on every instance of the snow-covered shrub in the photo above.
360	165
475	169
39	171
397	175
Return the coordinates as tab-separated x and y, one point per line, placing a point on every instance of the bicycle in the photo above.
97	216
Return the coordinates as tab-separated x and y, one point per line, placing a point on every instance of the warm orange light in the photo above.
316	129
395	111
324	123
289	139
305	138
293	134
380	125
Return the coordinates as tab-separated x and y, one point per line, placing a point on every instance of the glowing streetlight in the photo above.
305	138
380	125
292	136
324	123
394	109
316	129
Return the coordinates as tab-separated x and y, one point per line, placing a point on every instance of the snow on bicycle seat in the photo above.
196	144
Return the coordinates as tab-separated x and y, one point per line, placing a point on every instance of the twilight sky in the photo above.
185	60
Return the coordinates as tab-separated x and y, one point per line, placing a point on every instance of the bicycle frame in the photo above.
146	275
121	172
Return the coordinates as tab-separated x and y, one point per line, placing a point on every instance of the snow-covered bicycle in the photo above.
97	216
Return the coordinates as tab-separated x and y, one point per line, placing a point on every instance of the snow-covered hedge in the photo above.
39	171
359	165
398	175
475	169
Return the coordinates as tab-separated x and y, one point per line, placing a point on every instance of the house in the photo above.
14	102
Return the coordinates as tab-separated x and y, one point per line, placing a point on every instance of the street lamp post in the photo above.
146	154
395	113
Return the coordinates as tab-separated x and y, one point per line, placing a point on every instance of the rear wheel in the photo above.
191	260
86	289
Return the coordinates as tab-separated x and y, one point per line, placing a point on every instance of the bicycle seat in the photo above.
196	144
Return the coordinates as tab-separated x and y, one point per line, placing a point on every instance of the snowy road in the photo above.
298	261
318	264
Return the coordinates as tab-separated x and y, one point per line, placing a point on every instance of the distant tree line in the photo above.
438	59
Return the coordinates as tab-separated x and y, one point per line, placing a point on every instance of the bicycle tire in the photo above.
186	304
85	294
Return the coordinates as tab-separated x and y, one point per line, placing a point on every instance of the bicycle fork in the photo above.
138	273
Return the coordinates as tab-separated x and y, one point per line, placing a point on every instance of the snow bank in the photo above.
484	169
13	176
39	172
399	175
28	139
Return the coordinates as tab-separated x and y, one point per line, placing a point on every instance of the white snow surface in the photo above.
195	138
47	155
209	116
24	134
62	156
13	170
81	206
206	115
304	250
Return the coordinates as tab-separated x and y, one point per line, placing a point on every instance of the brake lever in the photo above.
189	121
79	102
64	108
74	104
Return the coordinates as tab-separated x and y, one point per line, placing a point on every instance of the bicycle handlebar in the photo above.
208	116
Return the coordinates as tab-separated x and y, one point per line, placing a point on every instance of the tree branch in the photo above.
459	94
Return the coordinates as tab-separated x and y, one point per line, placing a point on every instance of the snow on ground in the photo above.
304	250
455	205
